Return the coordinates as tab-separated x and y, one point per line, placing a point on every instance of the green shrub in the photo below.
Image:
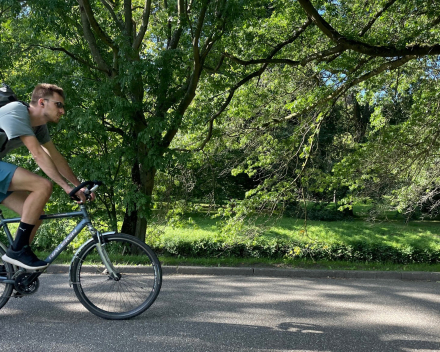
52	233
317	211
359	251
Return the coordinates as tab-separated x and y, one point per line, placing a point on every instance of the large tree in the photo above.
155	79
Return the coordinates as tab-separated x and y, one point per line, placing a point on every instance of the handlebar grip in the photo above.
88	184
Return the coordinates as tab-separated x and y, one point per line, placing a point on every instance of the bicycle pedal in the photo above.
17	295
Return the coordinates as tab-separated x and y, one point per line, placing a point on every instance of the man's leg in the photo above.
31	208
39	190
15	202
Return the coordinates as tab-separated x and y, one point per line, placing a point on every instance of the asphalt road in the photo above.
235	313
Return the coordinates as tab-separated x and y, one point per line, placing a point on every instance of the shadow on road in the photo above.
237	314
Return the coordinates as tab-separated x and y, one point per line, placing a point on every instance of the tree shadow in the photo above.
236	314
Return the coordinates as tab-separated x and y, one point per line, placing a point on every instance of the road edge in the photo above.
283	272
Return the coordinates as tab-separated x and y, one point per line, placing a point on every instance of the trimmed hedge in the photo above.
262	248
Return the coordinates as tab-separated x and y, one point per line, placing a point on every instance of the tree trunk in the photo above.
135	221
129	225
361	119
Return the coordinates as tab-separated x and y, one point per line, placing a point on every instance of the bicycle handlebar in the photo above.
91	187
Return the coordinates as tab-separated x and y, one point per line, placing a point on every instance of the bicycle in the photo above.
114	275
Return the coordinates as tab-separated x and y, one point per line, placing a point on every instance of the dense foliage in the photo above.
257	104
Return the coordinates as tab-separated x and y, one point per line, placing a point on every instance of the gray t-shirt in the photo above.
16	122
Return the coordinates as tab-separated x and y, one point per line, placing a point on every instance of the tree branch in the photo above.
435	22
178	31
200	22
199	60
320	56
73	56
292	38
269	59
370	24
145	19
194	79
118	22
223	108
220	63
341	90
90	38
128	14
4	10
111	128
382	51
257	73
85	5
262	61
219	29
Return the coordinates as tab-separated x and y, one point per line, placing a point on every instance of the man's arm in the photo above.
60	163
46	163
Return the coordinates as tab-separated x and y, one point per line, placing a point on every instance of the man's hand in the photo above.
80	194
91	194
82	197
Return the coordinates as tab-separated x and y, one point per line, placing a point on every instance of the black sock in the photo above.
22	237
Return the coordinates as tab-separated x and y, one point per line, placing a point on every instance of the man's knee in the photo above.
45	187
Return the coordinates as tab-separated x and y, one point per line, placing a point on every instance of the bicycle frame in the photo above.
69	238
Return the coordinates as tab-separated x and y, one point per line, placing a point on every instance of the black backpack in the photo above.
7	95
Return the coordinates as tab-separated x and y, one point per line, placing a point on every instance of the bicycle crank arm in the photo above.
31	278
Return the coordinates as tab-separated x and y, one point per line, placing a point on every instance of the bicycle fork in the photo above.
99	240
100	247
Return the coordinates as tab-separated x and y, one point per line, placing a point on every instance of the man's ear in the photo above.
41	101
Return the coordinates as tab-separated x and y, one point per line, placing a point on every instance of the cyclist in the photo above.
21	190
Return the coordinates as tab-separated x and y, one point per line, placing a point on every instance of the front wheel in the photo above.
138	283
6	272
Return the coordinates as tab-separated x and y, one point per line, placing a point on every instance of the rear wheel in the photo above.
6	272
132	292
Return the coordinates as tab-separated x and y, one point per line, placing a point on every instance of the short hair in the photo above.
45	90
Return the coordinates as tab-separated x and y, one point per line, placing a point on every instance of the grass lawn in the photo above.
395	233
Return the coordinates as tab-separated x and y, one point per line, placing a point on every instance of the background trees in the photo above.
281	93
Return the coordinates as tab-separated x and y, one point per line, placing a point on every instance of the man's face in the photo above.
54	108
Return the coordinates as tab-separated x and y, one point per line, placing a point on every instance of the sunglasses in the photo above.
59	104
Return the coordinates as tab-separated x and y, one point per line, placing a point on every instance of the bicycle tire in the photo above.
111	299
5	289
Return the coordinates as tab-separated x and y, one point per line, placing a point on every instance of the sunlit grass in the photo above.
396	233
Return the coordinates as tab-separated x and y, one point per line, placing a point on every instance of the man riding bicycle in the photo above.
21	190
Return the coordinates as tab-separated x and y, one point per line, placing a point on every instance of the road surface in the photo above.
235	313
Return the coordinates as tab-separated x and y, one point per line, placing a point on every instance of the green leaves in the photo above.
289	112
